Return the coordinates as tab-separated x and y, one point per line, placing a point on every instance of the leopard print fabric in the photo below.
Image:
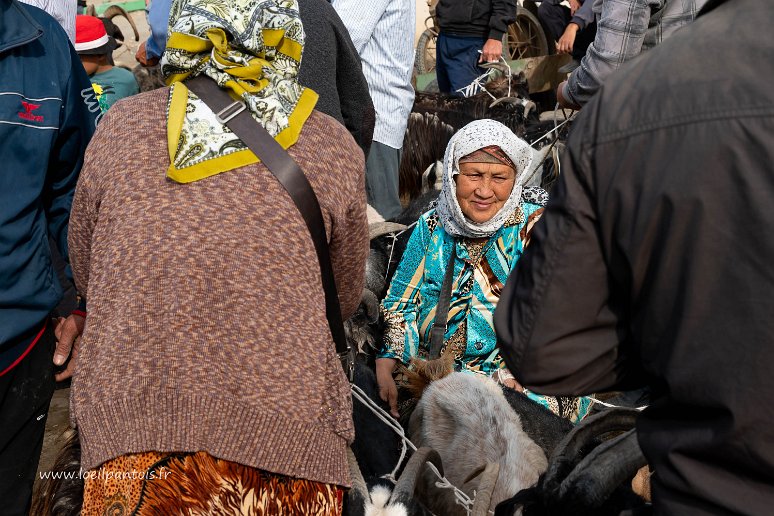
198	484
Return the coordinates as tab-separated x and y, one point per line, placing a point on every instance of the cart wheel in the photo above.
525	37
424	59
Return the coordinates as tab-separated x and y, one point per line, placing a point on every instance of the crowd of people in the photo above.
200	347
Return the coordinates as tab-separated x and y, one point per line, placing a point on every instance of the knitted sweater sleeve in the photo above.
85	207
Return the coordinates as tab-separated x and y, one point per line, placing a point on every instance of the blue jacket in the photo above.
47	116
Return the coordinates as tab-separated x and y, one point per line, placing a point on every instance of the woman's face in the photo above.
483	188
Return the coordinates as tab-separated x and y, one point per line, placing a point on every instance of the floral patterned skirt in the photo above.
193	484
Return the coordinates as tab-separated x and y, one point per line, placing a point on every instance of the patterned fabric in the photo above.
573	409
474	136
490	154
171	484
253	50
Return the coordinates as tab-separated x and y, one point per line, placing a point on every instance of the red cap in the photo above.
90	35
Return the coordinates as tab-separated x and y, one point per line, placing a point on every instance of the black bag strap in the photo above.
440	322
236	117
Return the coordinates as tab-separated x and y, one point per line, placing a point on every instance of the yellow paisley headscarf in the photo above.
252	49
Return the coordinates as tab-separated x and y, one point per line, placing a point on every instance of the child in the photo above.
94	47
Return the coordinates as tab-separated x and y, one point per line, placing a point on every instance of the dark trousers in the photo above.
25	393
456	61
382	180
555	17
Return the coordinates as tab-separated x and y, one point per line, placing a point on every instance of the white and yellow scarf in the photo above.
253	50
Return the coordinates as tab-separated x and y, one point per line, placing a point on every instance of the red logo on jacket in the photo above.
28	109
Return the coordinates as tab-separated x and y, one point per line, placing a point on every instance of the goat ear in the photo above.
476	472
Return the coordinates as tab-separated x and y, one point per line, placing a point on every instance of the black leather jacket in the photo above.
652	264
484	18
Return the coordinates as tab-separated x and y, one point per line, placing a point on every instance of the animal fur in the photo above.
379	504
62	496
423	372
467	419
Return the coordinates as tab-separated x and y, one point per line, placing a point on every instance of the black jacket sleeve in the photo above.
357	108
503	14
557	325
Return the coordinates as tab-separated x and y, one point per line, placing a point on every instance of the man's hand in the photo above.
388	391
574	6
67	332
567	41
142	57
492	51
564	102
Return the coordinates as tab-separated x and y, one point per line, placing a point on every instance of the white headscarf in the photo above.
477	135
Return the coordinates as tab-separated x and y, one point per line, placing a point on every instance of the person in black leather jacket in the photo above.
471	33
652	262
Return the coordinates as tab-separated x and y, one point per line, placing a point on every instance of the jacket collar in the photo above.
17	28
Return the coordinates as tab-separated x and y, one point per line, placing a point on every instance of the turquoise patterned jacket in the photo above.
480	271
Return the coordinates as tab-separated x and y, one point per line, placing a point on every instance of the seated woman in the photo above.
480	227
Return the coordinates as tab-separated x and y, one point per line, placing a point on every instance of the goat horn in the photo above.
601	471
565	456
371	303
358	482
404	489
115	10
499	66
485	489
378	229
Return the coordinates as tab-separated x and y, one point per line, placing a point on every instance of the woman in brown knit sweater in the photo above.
207	378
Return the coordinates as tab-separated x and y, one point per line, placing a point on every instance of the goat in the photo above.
586	475
468	420
380	500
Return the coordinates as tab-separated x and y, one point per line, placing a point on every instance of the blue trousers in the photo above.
456	61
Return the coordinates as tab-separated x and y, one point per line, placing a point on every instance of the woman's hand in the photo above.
504	377
388	391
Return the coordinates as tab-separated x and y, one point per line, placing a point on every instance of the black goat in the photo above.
586	474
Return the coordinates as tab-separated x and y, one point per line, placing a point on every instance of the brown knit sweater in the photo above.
206	326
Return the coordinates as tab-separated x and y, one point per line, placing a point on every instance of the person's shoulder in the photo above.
52	30
432	222
53	37
122	72
154	101
321	128
533	198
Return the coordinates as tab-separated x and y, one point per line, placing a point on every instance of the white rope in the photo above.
550	131
610	405
460	497
392	247
477	85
